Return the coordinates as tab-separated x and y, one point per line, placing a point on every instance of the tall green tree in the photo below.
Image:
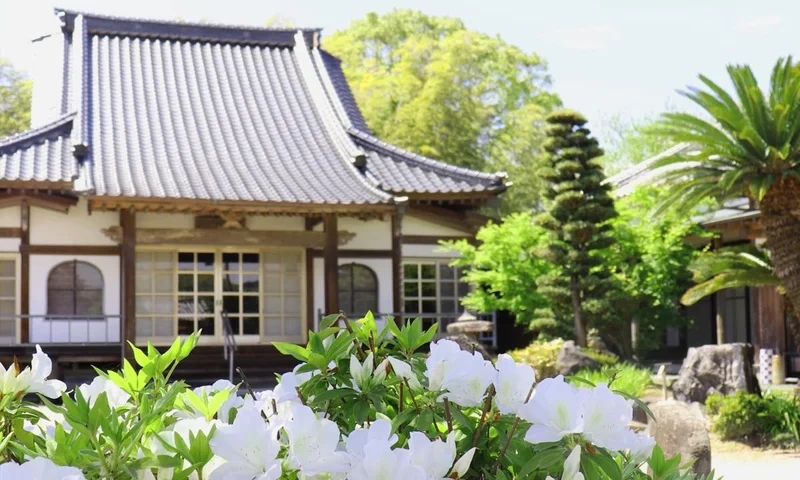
748	145
627	142
15	100
651	260
579	210
502	267
433	86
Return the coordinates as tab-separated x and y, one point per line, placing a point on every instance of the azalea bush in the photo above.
364	403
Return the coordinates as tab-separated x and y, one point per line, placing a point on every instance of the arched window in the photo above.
358	289
75	288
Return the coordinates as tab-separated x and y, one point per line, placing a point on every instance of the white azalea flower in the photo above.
117	397
514	381
313	443
462	464
249	446
46	427
572	465
435	457
639	445
286	390
32	379
404	371
215	387
555	410
39	468
467	381
364	375
382	463
442	358
379	432
606	416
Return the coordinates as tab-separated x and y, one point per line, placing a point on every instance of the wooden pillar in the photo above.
310	313
24	271
719	319
331	257
397	261
127	258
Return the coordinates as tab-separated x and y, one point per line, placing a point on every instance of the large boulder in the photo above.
681	429
571	358
709	369
468	344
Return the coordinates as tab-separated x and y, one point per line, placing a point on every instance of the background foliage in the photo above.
433	86
15	100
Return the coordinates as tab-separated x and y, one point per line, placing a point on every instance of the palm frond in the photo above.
731	267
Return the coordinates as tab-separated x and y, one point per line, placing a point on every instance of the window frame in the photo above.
14	257
353	290
84	316
440	316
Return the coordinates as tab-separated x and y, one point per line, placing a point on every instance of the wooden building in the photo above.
752	315
177	171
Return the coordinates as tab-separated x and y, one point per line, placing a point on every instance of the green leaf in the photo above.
328	321
334	394
292	349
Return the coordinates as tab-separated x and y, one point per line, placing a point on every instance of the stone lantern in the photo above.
468	324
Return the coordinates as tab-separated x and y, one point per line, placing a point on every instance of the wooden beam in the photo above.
357	253
397	262
55	202
433	239
250	207
226	237
331	264
310	313
72	249
24	272
127	221
10	232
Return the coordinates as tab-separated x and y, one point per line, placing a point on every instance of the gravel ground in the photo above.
732	461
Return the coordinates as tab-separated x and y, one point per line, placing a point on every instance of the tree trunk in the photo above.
782	230
580	331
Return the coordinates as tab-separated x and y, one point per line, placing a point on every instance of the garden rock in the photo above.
470	345
571	359
709	369
679	429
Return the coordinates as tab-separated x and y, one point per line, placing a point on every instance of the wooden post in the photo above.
24	271
331	258
397	264
717	244
310	313
127	220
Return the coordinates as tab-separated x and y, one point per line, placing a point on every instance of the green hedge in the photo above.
773	419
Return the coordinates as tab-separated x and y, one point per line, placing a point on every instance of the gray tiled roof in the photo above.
220	113
395	169
399	171
43	154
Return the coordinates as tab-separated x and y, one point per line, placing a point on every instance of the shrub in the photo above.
364	402
542	355
626	378
772	419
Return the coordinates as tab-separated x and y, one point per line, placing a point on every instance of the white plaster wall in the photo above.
9	245
370	235
76	331
382	268
417	226
9	217
427	251
76	227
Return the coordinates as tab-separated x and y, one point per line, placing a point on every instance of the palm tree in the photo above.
731	267
749	147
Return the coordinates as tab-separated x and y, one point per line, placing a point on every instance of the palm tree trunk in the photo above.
782	230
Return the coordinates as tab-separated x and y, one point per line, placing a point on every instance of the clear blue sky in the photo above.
607	57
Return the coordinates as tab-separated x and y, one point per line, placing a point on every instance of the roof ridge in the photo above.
423	161
228	26
34	133
96	24
328	115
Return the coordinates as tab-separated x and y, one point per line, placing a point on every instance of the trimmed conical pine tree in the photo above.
578	210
